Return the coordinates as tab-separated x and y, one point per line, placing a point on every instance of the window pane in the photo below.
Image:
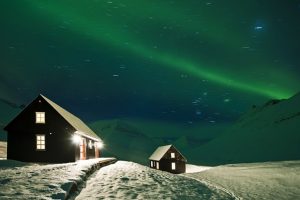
40	142
172	155
40	117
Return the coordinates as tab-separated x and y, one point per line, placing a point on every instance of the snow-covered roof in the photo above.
159	152
74	121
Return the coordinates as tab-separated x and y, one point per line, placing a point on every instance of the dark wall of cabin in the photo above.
58	135
165	165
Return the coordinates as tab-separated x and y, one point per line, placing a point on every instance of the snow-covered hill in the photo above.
266	133
273	180
127	180
124	141
136	139
122	180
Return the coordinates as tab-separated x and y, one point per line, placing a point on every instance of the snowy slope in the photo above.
136	139
127	180
125	141
273	180
266	133
22	181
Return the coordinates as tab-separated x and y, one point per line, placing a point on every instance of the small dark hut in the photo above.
45	132
168	158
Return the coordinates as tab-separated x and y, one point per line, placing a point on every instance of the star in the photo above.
227	100
258	28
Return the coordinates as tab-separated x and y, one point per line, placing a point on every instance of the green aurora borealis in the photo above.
204	61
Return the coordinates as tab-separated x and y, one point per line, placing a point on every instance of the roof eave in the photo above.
85	135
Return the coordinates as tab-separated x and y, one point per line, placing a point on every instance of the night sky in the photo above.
188	61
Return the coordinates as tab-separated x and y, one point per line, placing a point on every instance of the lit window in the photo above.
151	163
40	117
157	165
90	144
172	155
173	166
40	142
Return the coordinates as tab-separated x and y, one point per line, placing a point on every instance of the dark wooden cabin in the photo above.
168	158
45	132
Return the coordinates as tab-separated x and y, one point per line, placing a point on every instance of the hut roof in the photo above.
74	121
161	151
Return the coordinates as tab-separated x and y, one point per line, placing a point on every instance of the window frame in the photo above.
173	155
40	117
40	142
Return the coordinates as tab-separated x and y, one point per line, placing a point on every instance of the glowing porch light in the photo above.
76	139
100	145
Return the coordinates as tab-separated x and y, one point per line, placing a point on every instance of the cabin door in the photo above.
82	149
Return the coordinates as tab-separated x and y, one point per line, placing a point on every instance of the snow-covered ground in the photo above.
195	168
35	181
127	180
271	180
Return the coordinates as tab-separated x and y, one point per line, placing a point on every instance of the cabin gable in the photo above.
173	154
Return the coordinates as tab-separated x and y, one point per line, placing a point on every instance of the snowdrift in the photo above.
270	180
55	181
127	180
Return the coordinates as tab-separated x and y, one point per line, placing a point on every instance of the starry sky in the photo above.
190	61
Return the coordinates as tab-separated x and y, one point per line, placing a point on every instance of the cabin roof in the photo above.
161	151
74	121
